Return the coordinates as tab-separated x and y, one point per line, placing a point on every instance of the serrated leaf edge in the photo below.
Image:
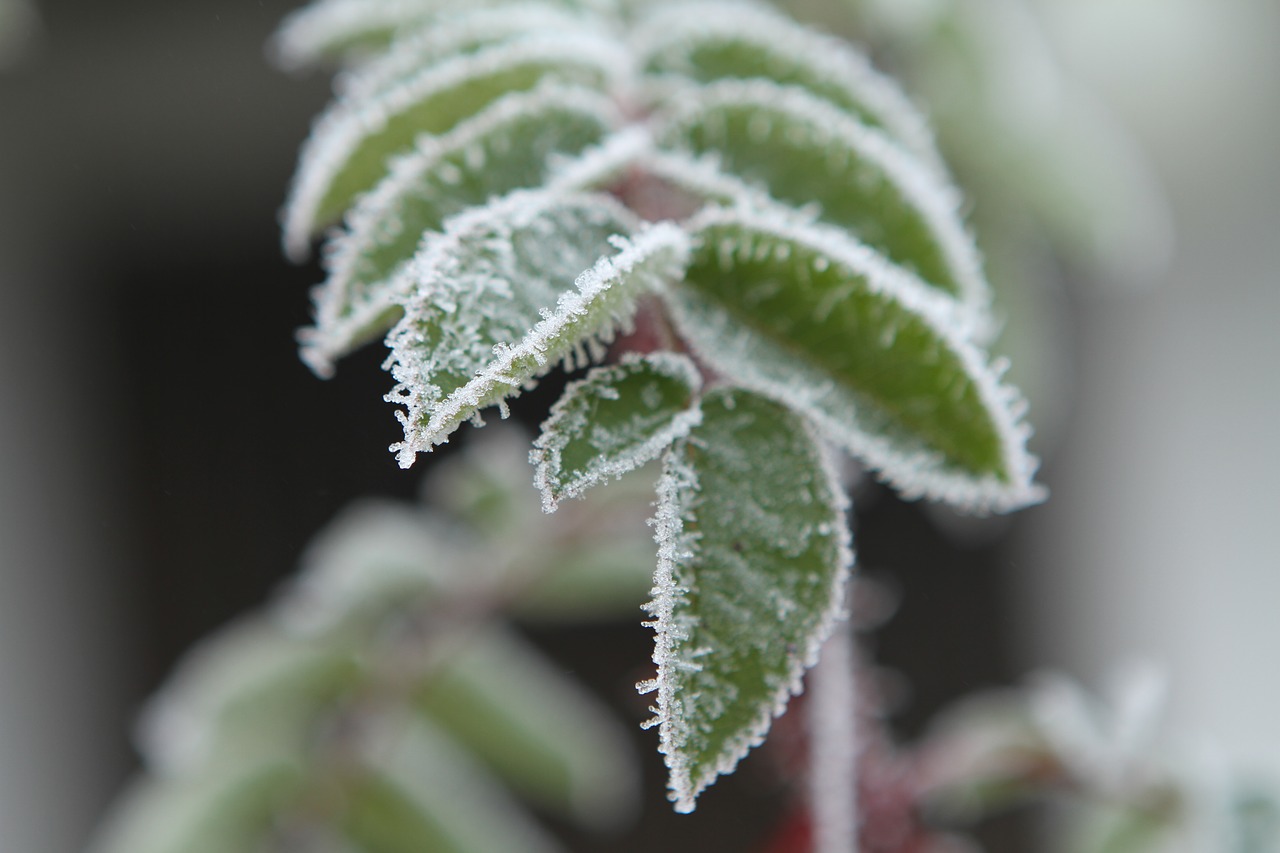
545	456
913	475
825	55
337	133
538	345
329	338
938	202
675	545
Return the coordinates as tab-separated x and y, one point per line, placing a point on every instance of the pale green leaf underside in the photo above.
350	148
808	317
509	145
806	153
707	42
547	737
613	421
753	557
509	291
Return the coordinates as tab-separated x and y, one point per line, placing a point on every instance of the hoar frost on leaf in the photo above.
465	31
753	557
508	291
613	421
710	41
349	145
806	152
511	144
881	362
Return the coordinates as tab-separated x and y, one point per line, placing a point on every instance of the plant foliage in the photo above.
511	185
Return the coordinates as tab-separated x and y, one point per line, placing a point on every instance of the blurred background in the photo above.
164	456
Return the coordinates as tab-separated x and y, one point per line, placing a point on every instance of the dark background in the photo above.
171	455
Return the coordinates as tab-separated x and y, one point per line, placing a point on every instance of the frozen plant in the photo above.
747	223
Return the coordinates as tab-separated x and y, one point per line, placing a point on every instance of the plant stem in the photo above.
833	746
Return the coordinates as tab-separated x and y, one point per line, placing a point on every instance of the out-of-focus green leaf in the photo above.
228	812
753	557
243	695
613	421
424	793
511	707
881	362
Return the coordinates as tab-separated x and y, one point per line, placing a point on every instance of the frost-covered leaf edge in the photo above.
729	350
338	132
333	335
545	456
539	347
675	544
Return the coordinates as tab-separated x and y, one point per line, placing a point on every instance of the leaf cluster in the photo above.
516	184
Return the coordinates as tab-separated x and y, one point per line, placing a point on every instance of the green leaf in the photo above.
613	421
546	736
350	147
374	556
467	30
245	694
228	812
807	153
752	560
509	145
600	582
712	41
508	291
424	793
882	363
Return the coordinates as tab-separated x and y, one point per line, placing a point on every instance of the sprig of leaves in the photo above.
518	178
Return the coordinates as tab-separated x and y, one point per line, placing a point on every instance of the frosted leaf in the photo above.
421	791
881	362
807	153
465	30
511	144
329	29
502	297
613	421
350	145
753	556
539	730
710	41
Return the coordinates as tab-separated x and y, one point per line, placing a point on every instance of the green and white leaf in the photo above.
805	152
881	362
511	144
753	556
350	147
540	731
613	421
424	792
329	30
718	40
503	296
461	31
